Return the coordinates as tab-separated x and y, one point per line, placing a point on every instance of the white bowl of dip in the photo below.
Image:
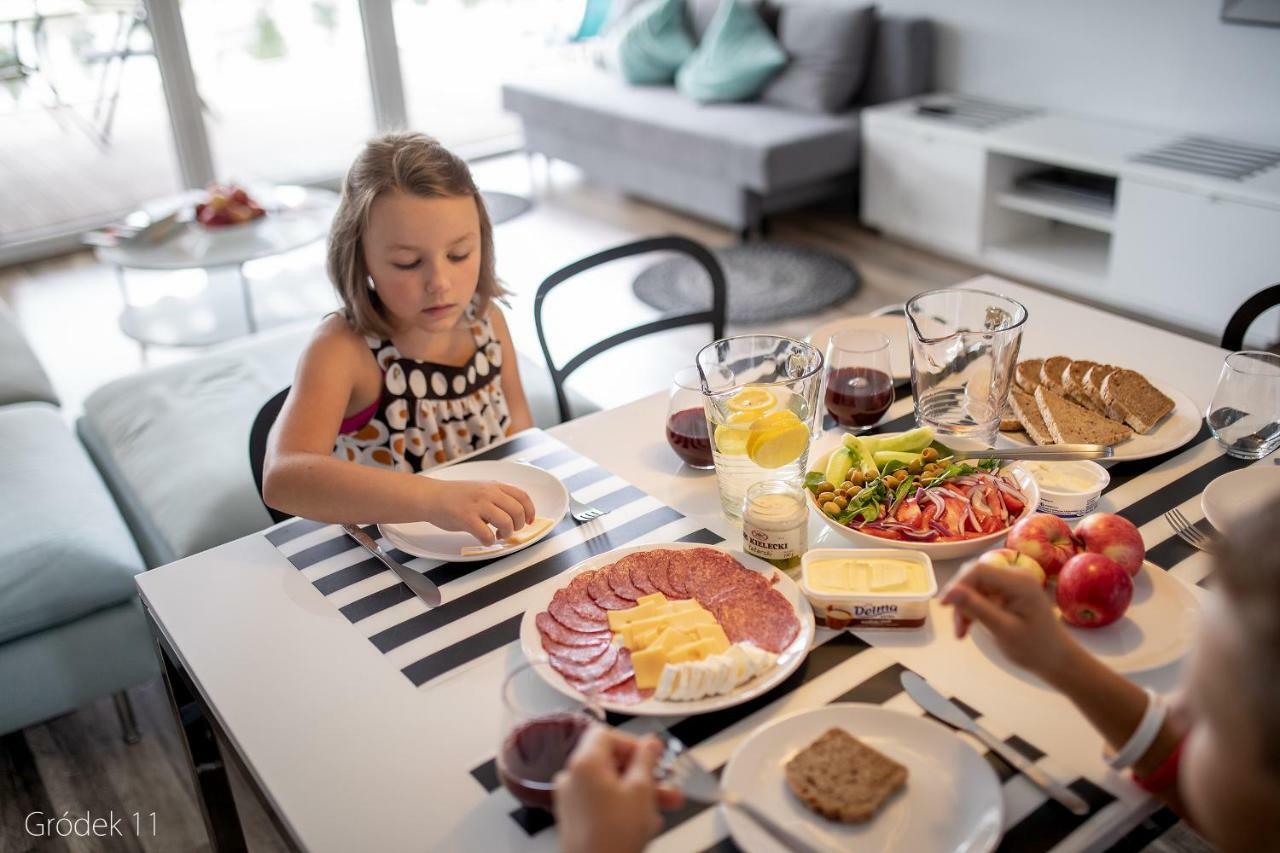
1067	489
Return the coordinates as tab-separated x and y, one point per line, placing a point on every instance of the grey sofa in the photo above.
729	163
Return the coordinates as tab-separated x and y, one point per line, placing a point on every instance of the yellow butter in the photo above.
860	576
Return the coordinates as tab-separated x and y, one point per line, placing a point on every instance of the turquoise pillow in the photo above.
654	42
737	57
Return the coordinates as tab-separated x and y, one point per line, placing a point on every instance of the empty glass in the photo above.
964	345
1244	414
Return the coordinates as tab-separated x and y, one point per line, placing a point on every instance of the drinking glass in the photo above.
760	394
859	384
540	728
1244	414
687	431
964	345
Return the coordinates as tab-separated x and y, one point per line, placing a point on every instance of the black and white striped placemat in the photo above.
481	607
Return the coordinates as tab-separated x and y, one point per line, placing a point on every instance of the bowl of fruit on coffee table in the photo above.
905	490
227	206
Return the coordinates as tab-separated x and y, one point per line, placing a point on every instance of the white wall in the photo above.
1169	63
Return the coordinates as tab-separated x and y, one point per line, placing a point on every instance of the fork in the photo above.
1189	533
583	512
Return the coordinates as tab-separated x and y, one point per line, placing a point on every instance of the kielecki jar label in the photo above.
775	523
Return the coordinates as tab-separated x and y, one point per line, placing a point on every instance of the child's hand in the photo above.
1015	609
478	507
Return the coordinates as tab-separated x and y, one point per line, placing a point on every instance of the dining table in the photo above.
362	719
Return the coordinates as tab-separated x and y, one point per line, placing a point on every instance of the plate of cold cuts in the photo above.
668	629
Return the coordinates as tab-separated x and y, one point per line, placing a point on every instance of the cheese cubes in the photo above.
660	632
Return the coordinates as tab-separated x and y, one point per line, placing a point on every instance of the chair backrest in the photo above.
1233	337
715	316
258	446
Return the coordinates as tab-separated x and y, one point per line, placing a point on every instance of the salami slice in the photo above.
764	618
677	573
549	628
583	675
656	569
603	594
581	600
619	576
626	693
575	654
562	609
638	569
620	673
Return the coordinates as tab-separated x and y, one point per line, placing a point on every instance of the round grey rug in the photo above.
504	206
766	281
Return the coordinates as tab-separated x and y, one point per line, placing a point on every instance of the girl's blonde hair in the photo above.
414	164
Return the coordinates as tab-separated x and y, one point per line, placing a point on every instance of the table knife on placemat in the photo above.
421	586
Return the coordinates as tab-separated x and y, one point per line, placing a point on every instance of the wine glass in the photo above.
687	421
1244	414
540	728
859	382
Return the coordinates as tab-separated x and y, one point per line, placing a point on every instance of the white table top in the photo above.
348	750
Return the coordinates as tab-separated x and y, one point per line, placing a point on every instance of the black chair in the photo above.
258	446
715	316
1233	337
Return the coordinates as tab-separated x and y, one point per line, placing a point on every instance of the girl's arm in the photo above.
512	389
302	477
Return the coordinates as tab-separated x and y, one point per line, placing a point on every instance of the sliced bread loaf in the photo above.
1093	380
1024	406
1073	383
1072	424
841	778
1139	403
1027	374
1051	372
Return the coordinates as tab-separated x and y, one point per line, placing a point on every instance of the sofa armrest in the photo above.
22	379
902	59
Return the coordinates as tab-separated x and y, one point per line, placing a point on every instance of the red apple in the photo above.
1008	559
1114	537
1045	539
1093	590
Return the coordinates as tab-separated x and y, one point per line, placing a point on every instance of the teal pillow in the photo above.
737	57
654	42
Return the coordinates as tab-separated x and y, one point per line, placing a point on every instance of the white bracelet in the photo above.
1143	736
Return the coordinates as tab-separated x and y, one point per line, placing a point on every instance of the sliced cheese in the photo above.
619	619
714	633
648	664
652	598
530	531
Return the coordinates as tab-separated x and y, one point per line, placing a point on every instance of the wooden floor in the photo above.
78	762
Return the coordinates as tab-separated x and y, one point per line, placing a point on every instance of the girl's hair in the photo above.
414	164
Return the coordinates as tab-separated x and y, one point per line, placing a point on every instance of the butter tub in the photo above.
865	607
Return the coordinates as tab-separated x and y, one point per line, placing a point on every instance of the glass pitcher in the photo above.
964	346
760	393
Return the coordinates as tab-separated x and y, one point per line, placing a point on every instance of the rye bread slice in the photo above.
841	778
1026	375
1009	418
1073	384
1093	380
1136	400
1051	372
1072	424
1024	406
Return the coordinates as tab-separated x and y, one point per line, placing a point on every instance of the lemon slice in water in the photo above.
752	400
731	436
782	440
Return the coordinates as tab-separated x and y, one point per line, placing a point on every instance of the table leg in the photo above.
124	295
249	319
213	789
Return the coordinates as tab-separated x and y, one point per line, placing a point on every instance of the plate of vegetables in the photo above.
907	490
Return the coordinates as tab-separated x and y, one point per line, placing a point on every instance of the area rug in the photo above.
504	206
766	281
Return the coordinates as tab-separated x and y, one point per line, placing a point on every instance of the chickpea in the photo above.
915	466
828	495
858	478
929	454
824	486
842	502
831	508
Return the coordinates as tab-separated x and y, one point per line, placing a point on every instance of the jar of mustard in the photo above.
775	524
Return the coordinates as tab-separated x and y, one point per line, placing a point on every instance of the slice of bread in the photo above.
841	778
1073	383
1009	418
1136	400
1072	424
1051	372
1093	380
1024	406
1027	374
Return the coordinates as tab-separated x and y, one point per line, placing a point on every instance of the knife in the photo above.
944	709
421	586
1055	452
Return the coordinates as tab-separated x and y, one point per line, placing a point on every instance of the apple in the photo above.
1114	537
1093	590
1044	538
1008	559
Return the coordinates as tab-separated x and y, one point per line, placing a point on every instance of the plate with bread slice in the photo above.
1061	400
854	776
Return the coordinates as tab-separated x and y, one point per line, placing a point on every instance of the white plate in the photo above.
936	550
1158	629
1233	497
788	661
1176	429
894	328
426	540
951	802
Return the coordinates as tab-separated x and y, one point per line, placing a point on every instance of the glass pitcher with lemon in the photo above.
761	395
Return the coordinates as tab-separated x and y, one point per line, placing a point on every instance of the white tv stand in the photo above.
1183	247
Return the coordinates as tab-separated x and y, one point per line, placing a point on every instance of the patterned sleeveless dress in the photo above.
429	413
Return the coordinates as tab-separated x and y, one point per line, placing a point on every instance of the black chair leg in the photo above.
128	722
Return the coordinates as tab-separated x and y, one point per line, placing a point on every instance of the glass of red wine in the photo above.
540	728
859	383
687	431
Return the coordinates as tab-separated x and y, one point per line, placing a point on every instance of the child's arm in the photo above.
302	477
1014	608
517	403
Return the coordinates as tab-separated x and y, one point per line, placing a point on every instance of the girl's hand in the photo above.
606	798
1013	606
478	507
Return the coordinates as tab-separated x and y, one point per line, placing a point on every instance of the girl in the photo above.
417	369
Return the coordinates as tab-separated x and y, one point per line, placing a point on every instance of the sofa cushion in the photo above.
653	42
698	14
753	145
64	550
829	46
735	59
22	379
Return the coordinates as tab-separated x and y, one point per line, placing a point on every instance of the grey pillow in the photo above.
830	48
698	14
